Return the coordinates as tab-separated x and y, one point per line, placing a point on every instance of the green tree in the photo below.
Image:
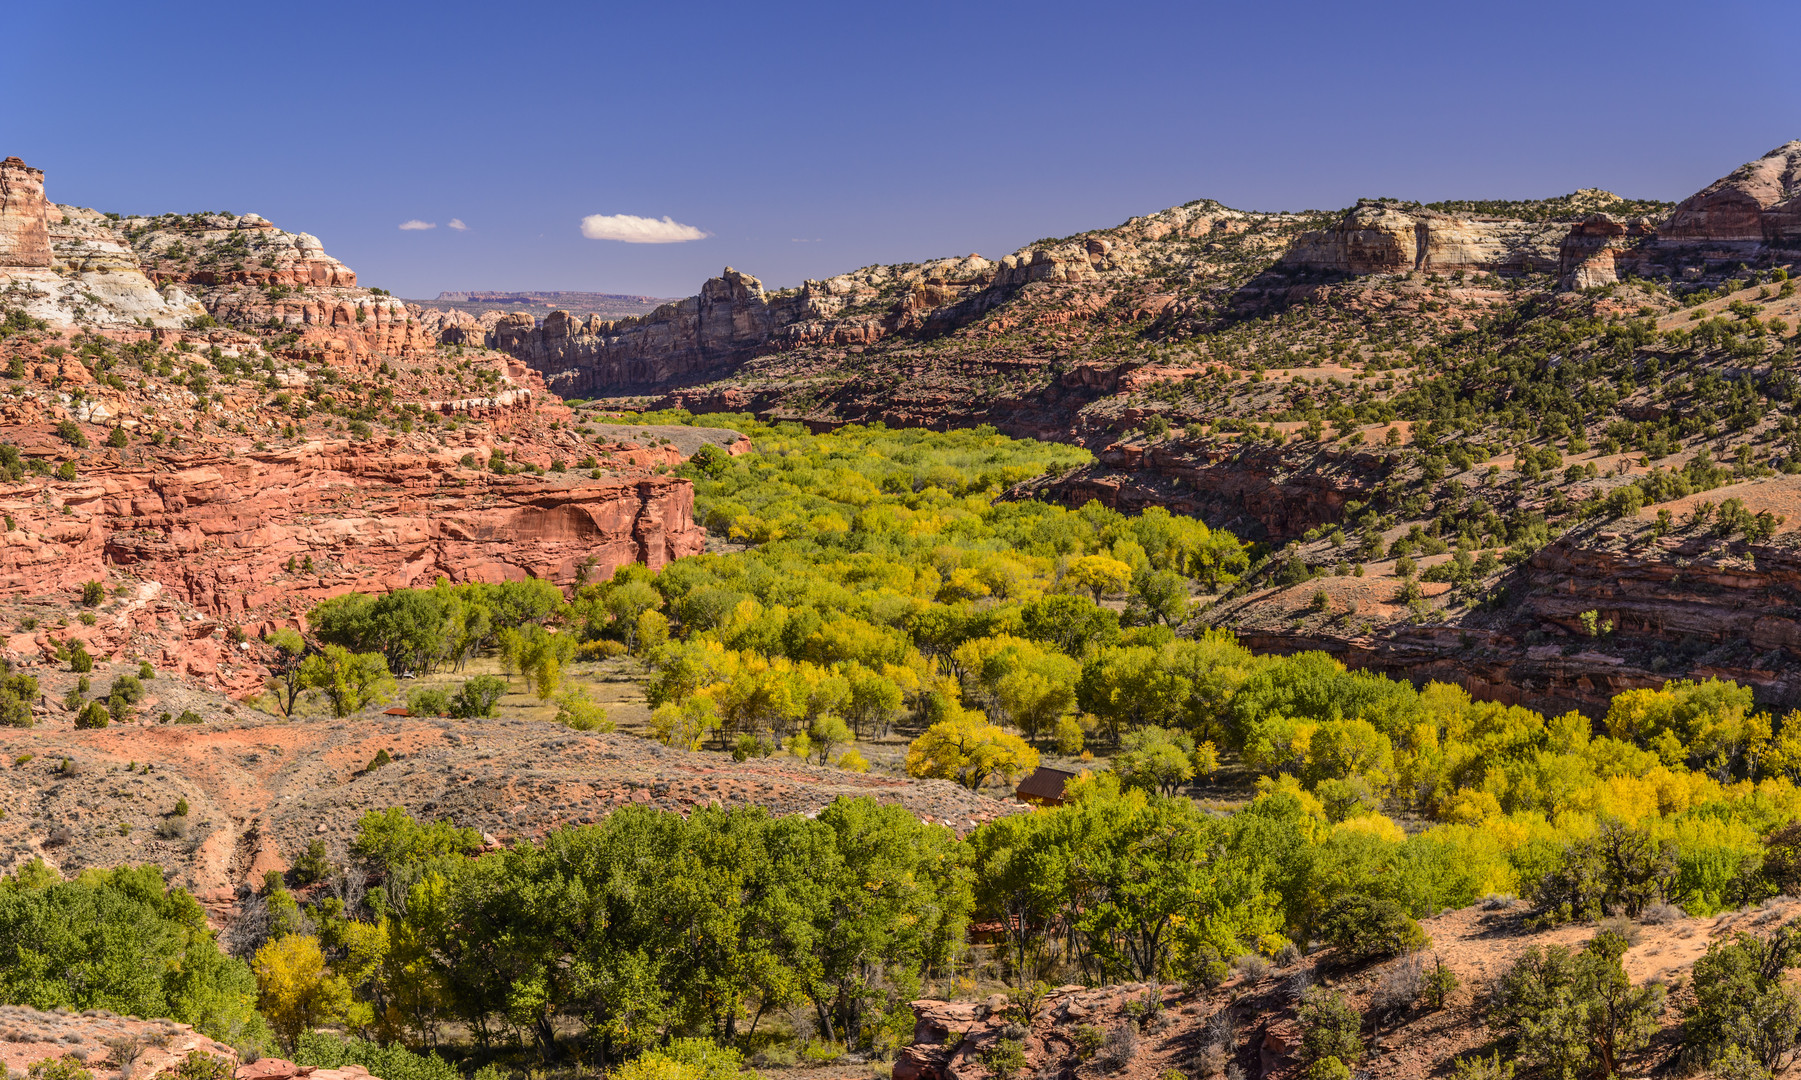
1364	928
1576	1014
1155	759
477	696
286	683
1331	1030
120	940
1743	1000
348	681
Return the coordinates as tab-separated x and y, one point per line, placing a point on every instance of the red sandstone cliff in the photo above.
218	532
24	228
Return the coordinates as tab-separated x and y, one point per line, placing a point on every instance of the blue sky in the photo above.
809	139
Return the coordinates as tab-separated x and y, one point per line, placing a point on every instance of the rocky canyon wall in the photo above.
218	532
1671	609
1378	238
24	227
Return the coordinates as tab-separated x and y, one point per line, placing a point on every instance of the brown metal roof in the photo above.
1044	783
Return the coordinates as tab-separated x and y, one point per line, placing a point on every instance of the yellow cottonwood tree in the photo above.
295	990
966	748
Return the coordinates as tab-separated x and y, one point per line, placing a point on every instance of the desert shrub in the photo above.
66	1067
1252	966
394	1062
428	701
1627	930
314	865
122	1050
1330	1028
17	693
1326	1068
580	712
1660	913
1743	1001
93	715
1575	1014
1205	972
128	688
1005	1057
1024	1003
201	1065
93	593
1482	1068
1118	1050
776	1057
1368	928
1087	1040
477	697
1398	986
1441	983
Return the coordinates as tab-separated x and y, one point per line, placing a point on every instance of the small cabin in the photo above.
1044	787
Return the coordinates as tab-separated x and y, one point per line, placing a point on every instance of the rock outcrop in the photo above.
1597	248
206	250
24	227
704	334
1750	217
70	266
219	532
1756	205
1273	492
1383	238
97	1038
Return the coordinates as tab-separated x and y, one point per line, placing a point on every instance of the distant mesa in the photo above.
606	305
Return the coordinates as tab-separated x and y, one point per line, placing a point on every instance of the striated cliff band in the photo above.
213	413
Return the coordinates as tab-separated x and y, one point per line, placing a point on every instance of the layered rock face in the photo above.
75	266
158	1047
207	250
24	231
219	532
1598	247
734	319
1275	492
1757	204
67	265
1378	238
1750	216
1673	615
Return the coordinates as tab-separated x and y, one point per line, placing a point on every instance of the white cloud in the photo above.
457	224
415	225
638	230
